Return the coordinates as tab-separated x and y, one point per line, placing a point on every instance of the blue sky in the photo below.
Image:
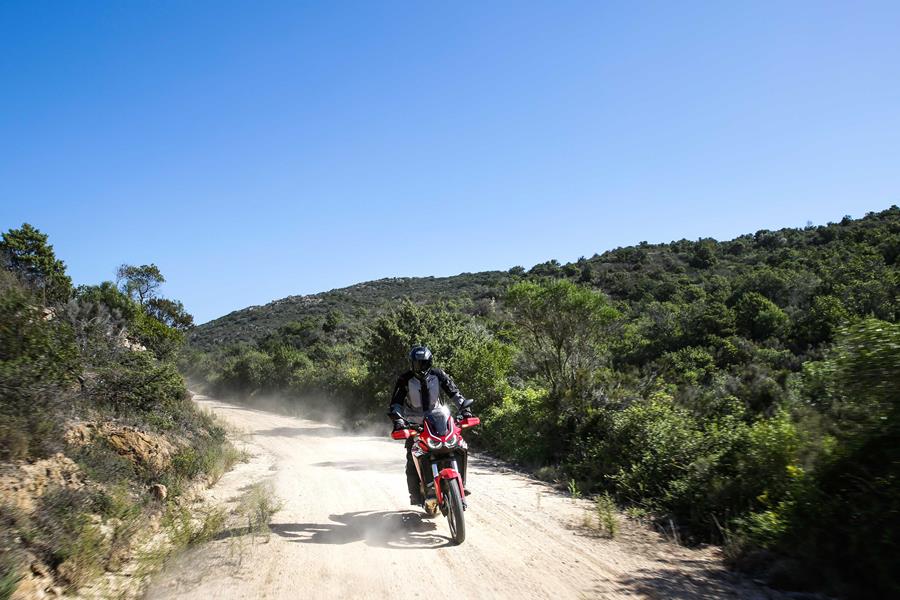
255	150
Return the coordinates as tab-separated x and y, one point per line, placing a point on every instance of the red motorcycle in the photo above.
438	450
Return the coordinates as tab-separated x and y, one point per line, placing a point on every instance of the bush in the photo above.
520	427
760	318
38	363
65	532
138	386
843	522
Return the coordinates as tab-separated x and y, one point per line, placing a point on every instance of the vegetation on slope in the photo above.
356	304
92	412
745	390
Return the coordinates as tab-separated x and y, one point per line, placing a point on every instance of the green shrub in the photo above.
519	427
187	528
257	506
605	510
138	385
759	317
38	363
844	521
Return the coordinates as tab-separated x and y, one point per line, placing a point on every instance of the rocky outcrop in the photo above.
37	582
159	491
150	451
23	484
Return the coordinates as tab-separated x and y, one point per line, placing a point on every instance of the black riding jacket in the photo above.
413	396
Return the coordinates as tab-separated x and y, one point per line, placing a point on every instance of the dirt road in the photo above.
346	530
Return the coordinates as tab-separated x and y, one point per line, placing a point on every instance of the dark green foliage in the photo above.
522	414
156	336
34	345
138	385
170	312
849	511
468	352
25	253
38	363
357	304
744	391
703	255
759	318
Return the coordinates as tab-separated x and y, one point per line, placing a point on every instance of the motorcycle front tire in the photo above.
455	514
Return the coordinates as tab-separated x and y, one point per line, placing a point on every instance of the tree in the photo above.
108	295
551	268
587	274
847	521
170	312
141	283
566	329
759	317
26	253
469	352
332	320
703	255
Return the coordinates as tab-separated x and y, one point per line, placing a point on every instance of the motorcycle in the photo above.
438	448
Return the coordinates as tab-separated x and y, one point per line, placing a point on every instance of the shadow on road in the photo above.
398	530
689	580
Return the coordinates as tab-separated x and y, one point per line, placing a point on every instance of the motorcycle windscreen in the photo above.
438	420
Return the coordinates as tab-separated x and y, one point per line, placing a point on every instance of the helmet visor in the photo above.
420	365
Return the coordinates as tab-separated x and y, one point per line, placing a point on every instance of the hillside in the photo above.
742	392
100	444
356	303
630	274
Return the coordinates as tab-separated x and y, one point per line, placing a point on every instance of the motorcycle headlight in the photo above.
433	444
452	441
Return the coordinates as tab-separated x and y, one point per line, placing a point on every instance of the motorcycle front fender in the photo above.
449	474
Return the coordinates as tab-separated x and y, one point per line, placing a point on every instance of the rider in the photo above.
418	391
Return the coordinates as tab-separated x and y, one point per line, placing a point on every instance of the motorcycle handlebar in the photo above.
413	430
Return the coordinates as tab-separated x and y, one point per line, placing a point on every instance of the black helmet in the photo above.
420	360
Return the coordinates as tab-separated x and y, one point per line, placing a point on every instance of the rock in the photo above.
149	450
40	569
80	434
68	571
124	342
35	579
159	491
29	588
144	449
27	482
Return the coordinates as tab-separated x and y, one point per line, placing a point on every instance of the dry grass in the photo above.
257	506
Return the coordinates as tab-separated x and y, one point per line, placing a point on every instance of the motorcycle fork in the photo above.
437	482
459	477
418	462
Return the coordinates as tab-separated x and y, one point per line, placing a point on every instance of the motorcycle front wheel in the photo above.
454	511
